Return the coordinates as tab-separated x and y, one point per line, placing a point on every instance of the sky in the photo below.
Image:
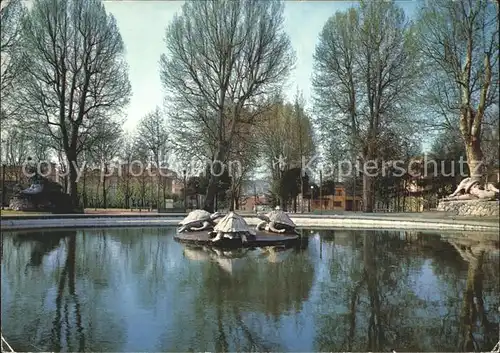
142	25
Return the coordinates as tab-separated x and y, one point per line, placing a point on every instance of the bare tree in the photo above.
127	157
141	170
11	14
152	135
272	136
18	144
223	57
365	71
75	72
460	42
243	155
304	135
285	137
104	151
15	153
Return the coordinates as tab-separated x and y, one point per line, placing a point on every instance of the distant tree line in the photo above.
65	88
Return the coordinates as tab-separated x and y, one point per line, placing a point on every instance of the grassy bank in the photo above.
21	213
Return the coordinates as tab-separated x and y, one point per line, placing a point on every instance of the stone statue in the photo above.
42	195
232	226
276	221
198	220
471	189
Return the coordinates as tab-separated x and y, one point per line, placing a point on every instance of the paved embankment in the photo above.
401	221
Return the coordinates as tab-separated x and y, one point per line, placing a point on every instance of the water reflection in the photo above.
41	243
387	301
231	260
139	290
476	329
65	281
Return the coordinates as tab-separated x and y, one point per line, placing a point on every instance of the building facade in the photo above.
341	200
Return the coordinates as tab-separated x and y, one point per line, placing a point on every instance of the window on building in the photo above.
338	192
337	204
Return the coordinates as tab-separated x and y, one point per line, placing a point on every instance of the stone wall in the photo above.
479	208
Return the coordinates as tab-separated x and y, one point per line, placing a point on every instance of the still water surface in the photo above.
130	290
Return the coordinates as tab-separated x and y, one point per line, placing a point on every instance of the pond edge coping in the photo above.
353	221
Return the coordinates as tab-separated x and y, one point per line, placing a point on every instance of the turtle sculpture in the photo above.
198	220
276	221
232	226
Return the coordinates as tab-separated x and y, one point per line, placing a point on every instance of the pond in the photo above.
131	290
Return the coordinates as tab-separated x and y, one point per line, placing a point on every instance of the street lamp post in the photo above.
184	176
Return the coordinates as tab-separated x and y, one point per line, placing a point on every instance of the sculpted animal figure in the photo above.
470	189
276	221
232	226
198	220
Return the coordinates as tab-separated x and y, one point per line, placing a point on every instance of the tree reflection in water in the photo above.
44	309
39	246
68	273
375	328
273	289
376	282
238	291
43	243
474	315
139	290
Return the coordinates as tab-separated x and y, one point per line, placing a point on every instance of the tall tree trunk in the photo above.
84	189
236	197
368	178
104	198
405	185
159	182
398	197
220	157
164	192
475	158
127	192
301	191
211	194
376	336
71	186
368	184
471	119
231	199
143	192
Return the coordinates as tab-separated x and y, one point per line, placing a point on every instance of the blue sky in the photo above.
142	25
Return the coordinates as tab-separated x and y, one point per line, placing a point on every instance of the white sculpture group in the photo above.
471	189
